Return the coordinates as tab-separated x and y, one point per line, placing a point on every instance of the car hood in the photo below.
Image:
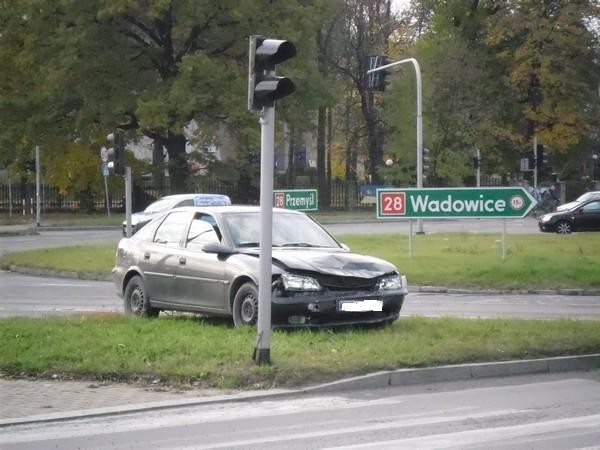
142	217
332	262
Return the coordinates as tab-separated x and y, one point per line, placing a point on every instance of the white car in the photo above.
582	198
163	204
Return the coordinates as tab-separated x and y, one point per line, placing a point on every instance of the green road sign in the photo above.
486	203
297	199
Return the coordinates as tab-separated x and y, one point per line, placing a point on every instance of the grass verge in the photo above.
544	261
210	353
91	259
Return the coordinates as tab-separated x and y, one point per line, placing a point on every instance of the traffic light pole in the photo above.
478	168
128	201
262	351
37	186
415	64
535	166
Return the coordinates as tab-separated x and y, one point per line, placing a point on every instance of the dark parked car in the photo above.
206	260
583	216
163	204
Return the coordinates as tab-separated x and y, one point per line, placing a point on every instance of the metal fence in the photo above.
20	198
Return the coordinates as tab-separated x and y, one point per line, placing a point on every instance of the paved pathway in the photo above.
24	398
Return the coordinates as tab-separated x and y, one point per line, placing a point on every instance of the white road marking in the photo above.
472	437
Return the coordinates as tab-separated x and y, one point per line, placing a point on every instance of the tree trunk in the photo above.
178	166
158	164
291	167
321	150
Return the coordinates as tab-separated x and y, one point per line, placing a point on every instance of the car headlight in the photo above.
546	218
293	282
389	283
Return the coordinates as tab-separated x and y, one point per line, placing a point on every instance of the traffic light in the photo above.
477	162
116	154
263	86
376	81
541	155
426	159
532	157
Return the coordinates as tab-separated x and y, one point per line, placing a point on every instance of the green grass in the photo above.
65	219
212	353
544	261
92	259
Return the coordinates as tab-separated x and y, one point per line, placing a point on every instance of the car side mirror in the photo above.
218	248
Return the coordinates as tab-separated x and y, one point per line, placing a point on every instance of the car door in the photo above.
159	260
201	275
588	217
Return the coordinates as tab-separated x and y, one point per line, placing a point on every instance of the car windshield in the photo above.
289	230
160	205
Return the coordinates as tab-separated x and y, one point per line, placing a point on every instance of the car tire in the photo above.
136	301
564	227
245	306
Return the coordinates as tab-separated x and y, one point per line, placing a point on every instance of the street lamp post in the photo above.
415	64
595	163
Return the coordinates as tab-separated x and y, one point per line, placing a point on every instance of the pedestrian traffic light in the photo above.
116	154
263	86
377	81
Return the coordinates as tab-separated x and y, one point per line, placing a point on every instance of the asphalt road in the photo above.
49	238
36	296
534	412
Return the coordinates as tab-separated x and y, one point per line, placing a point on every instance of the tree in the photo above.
368	25
150	66
550	54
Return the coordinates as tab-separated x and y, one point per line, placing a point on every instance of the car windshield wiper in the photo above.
248	244
299	244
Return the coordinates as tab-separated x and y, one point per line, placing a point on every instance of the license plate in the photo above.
360	305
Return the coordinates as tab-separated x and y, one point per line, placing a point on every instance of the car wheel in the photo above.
136	301
564	227
245	306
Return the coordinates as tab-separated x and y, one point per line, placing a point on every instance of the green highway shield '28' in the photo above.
497	202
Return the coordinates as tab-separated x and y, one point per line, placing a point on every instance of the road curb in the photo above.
58	273
391	378
411	288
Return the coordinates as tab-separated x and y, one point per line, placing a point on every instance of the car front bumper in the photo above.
323	310
546	227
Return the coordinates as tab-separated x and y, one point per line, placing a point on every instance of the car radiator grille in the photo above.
337	283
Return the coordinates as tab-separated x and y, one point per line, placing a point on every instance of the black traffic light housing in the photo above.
263	86
532	157
477	162
426	159
541	155
116	154
377	81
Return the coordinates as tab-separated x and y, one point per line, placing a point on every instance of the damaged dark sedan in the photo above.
206	260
